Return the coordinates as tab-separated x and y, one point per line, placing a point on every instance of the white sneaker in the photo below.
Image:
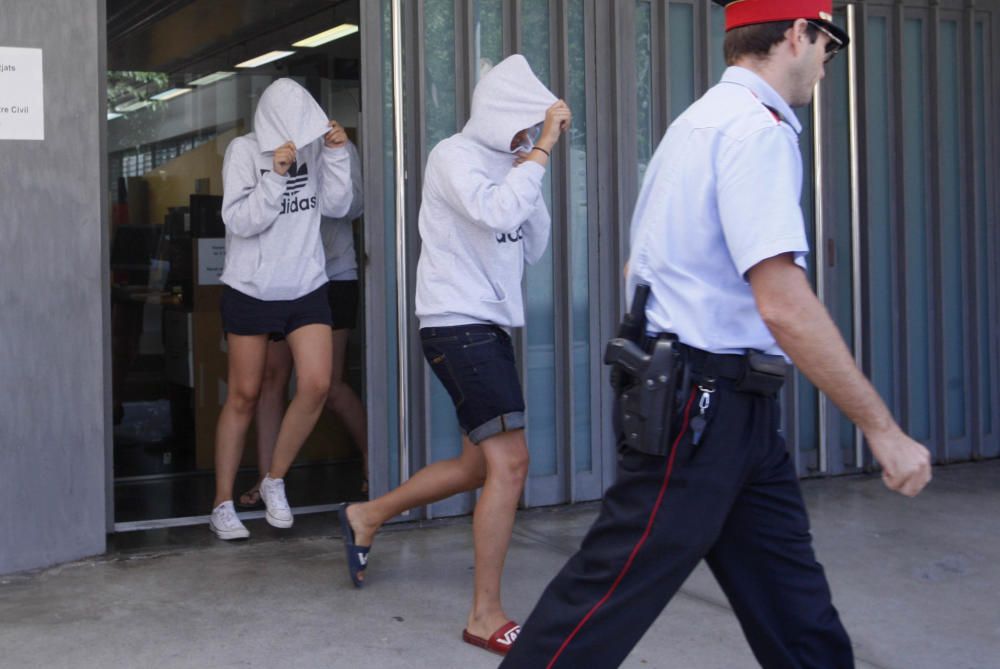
226	524
272	491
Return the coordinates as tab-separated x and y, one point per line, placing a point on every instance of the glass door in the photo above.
181	86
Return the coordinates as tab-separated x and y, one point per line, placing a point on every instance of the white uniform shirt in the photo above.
720	195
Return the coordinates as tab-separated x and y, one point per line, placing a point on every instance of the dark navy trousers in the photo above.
732	500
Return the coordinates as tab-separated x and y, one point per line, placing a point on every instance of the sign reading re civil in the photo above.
21	94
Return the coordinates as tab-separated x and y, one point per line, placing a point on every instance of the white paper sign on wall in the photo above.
21	94
211	261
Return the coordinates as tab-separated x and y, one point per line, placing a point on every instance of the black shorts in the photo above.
245	315
475	363
343	298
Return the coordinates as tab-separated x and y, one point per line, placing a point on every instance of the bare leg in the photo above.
311	351
343	401
501	462
433	483
271	405
246	371
492	525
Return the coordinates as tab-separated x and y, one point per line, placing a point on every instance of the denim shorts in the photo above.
475	364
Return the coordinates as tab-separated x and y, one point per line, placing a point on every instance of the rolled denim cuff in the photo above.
507	422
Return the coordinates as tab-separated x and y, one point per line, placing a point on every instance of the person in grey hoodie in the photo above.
343	296
277	182
482	216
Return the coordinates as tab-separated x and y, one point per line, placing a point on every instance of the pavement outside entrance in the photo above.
916	581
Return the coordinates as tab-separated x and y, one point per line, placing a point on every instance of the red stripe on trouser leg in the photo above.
642	539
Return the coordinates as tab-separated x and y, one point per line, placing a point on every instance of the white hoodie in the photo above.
273	245
338	233
481	217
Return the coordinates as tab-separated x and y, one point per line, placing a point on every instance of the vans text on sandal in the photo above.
499	642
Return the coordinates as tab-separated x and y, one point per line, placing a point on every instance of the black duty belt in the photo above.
716	365
652	377
753	371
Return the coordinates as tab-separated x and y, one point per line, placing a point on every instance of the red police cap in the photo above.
748	12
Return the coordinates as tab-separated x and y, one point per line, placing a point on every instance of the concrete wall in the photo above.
53	298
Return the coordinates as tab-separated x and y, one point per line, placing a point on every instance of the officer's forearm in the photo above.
804	330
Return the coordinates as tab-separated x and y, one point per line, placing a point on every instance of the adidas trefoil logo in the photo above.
298	178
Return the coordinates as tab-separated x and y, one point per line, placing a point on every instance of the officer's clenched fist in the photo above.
906	464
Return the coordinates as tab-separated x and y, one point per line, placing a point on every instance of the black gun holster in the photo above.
646	392
644	376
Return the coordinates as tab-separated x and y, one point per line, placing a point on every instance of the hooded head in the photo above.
287	112
507	100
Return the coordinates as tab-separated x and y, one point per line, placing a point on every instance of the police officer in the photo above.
719	236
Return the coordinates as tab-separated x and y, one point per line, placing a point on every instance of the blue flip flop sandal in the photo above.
357	556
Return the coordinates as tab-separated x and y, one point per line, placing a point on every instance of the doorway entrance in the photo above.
183	80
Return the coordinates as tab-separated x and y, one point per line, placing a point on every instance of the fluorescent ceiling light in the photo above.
170	94
343	30
113	115
211	78
265	58
135	105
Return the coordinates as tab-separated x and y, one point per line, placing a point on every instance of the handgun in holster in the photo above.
644	381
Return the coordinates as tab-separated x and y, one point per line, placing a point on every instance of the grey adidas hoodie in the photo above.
273	245
481	218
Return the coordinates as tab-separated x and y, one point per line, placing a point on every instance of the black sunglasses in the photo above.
833	46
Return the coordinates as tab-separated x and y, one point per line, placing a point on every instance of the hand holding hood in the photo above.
507	100
288	112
